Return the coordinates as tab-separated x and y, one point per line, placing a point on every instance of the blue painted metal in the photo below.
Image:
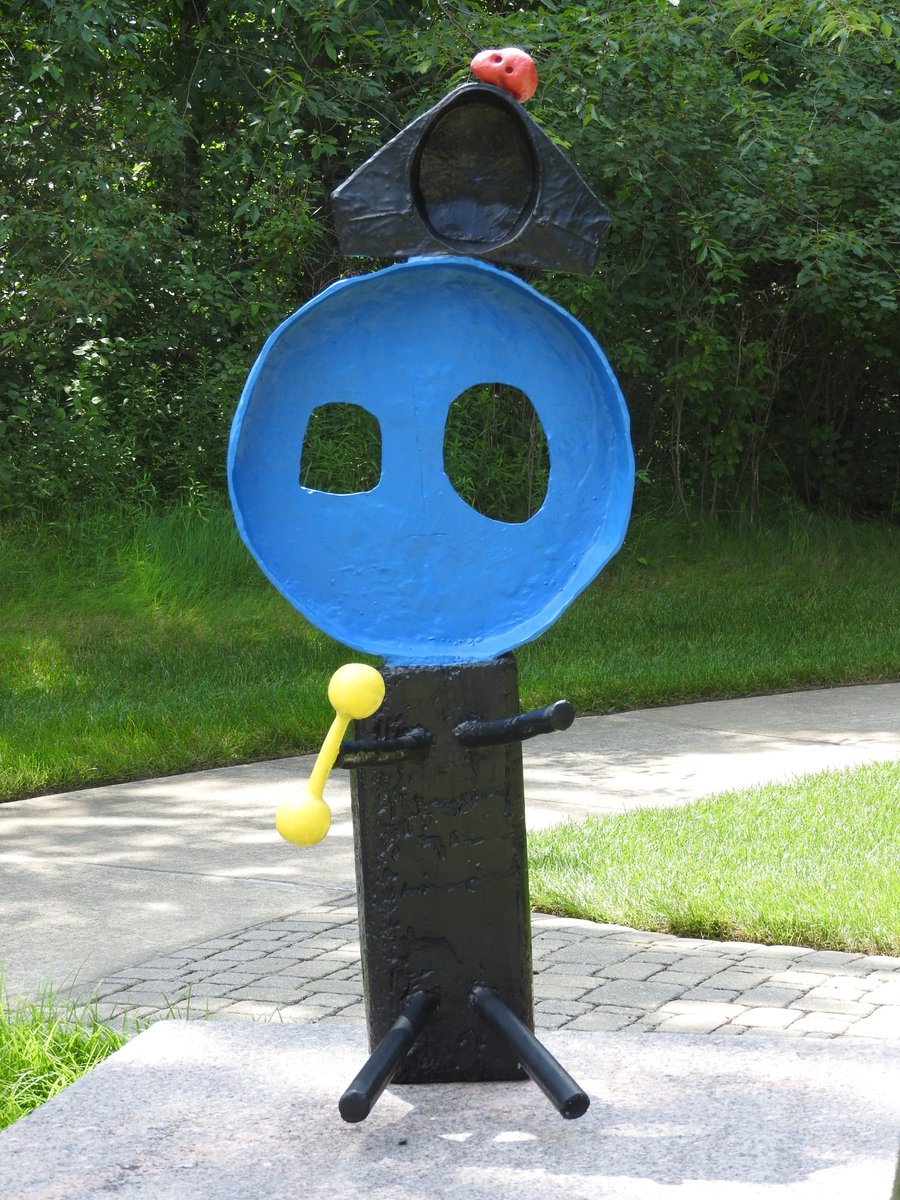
409	571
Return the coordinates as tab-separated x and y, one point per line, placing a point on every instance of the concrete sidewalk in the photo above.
147	892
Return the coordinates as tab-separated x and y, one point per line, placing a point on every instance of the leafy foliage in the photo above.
495	452
341	450
749	296
164	177
45	1045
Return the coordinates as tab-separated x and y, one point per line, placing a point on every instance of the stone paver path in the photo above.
306	967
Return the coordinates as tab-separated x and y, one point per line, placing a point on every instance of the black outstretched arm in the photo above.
517	729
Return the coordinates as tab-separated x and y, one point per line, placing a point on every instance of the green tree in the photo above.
163	185
164	177
748	296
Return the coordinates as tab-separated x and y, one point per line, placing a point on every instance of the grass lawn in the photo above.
45	1046
809	863
139	643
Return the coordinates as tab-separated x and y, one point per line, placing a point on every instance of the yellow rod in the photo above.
327	756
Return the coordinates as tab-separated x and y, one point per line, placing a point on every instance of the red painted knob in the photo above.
511	69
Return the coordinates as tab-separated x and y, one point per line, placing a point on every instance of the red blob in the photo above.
511	69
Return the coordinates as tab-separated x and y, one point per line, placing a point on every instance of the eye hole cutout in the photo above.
495	452
341	451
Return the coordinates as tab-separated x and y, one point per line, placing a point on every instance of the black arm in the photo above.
383	751
516	729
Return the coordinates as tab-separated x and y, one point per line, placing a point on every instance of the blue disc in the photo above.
409	571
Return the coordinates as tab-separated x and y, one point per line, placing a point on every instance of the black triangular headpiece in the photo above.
474	176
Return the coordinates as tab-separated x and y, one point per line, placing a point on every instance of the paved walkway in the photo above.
133	894
306	967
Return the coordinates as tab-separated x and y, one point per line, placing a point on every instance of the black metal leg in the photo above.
359	1098
556	1083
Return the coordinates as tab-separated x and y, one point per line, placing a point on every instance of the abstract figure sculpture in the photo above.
410	572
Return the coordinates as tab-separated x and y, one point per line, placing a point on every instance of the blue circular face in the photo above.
409	570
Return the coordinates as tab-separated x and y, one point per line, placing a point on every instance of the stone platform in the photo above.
215	1111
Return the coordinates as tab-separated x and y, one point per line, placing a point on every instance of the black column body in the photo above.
442	872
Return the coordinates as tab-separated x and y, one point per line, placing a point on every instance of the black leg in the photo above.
359	1098
557	1084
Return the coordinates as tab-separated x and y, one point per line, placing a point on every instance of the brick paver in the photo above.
306	967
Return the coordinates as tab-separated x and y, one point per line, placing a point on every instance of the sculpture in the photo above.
410	572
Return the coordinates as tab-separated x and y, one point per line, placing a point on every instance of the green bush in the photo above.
163	205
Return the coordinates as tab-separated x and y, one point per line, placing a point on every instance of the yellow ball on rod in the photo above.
355	691
303	820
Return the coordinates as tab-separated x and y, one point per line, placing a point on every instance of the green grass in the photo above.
727	610
138	643
809	863
147	644
45	1046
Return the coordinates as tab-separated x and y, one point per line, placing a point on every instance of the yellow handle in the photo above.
355	691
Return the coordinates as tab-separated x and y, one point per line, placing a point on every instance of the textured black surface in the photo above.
517	729
384	750
475	175
566	1096
442	871
383	1063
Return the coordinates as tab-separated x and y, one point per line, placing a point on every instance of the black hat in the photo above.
474	176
